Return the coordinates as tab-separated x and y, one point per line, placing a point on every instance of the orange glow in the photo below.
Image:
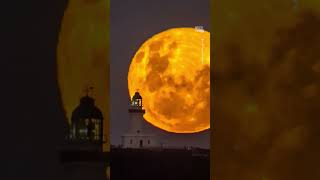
171	70
82	56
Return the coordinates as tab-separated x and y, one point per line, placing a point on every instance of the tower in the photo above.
137	136
136	113
82	154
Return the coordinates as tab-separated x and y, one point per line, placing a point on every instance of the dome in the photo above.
87	101
86	110
136	96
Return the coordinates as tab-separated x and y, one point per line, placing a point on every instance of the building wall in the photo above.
136	133
135	122
133	141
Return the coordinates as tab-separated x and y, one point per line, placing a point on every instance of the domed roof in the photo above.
86	109
87	101
136	96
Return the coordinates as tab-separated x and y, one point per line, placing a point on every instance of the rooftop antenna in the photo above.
88	90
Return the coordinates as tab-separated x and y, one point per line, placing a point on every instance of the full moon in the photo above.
171	71
82	56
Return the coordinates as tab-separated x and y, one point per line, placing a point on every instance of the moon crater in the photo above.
172	72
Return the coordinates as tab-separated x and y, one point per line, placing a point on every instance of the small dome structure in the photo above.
86	121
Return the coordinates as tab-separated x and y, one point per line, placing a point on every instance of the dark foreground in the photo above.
166	164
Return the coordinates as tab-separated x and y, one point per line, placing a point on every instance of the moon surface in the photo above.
171	70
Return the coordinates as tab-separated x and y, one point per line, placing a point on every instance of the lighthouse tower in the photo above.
137	136
82	155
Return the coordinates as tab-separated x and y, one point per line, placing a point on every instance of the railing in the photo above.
96	139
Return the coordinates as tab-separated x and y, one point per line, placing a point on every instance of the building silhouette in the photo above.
82	155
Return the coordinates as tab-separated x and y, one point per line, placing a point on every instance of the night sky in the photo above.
32	120
270	133
132	23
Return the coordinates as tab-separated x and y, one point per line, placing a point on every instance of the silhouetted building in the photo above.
86	122
136	136
82	155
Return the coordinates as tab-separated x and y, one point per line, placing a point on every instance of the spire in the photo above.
88	90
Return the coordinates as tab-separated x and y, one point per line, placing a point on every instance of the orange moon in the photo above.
82	56
171	70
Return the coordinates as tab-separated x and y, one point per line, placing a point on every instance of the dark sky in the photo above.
132	23
31	115
32	120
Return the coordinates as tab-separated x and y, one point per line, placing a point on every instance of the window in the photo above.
130	141
97	126
148	141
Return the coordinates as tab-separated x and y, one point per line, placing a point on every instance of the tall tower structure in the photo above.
137	136
82	155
